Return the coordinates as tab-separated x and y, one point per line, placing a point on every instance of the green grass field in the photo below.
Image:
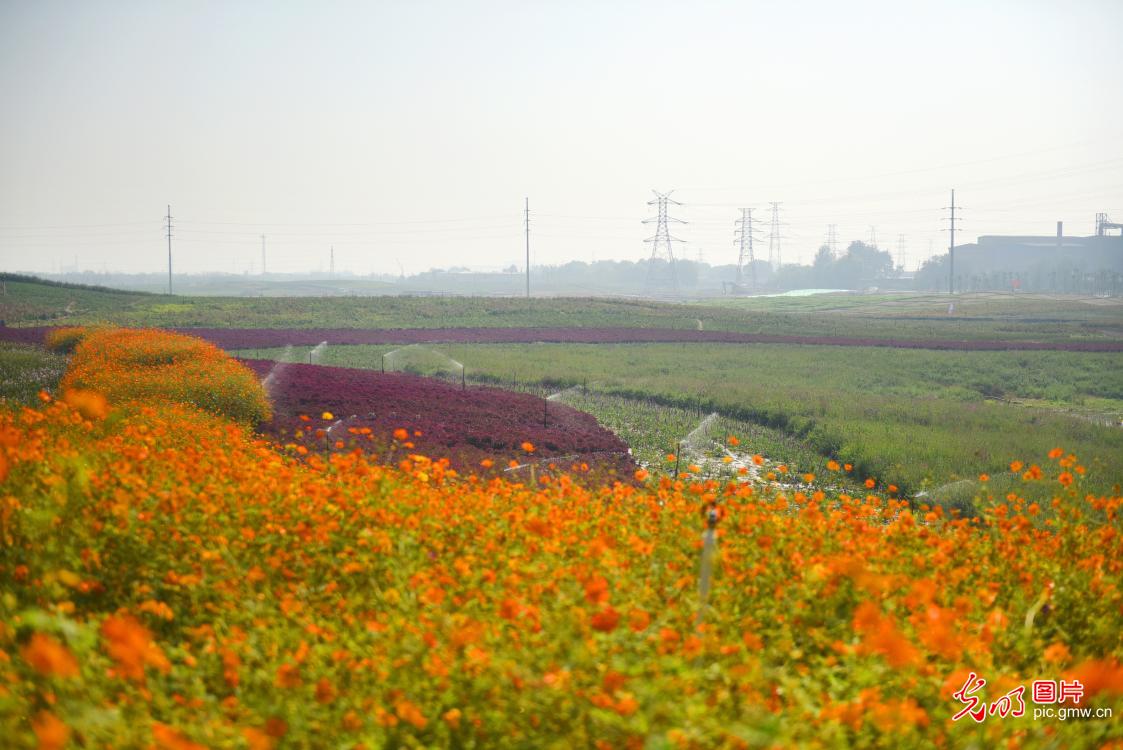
919	419
909	316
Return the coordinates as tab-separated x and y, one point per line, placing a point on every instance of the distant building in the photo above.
1059	264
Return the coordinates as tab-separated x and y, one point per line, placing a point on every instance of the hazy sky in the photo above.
410	132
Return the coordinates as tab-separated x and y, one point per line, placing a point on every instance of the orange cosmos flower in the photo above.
49	657
325	692
1056	453
871	483
257	739
638	620
528	447
732	440
327	415
487	463
170	739
1065	478
401	434
130	645
984	477
90	404
1057	653
640	475
50	731
409	712
606	620
1099	675
1016	466
833	465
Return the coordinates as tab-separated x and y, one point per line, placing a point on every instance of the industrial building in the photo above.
1057	263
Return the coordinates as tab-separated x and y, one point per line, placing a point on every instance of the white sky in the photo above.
410	132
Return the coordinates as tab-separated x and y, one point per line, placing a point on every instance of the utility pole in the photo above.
169	231
873	236
263	255
901	251
526	221
832	238
743	237
662	239
951	248
774	258
331	264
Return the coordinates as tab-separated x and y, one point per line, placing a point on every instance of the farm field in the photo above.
908	317
854	403
171	579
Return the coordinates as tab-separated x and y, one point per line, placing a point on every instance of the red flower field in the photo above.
465	426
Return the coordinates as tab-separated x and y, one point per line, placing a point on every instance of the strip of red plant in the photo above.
260	338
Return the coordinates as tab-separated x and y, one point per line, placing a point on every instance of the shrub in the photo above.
64	340
156	366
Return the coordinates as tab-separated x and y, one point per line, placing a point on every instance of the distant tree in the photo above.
862	265
933	274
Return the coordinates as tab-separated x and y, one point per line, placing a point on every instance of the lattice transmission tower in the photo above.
661	275
832	239
774	258
743	237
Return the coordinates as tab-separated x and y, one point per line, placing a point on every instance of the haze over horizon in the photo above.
410	133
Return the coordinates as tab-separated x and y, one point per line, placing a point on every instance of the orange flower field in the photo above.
168	579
